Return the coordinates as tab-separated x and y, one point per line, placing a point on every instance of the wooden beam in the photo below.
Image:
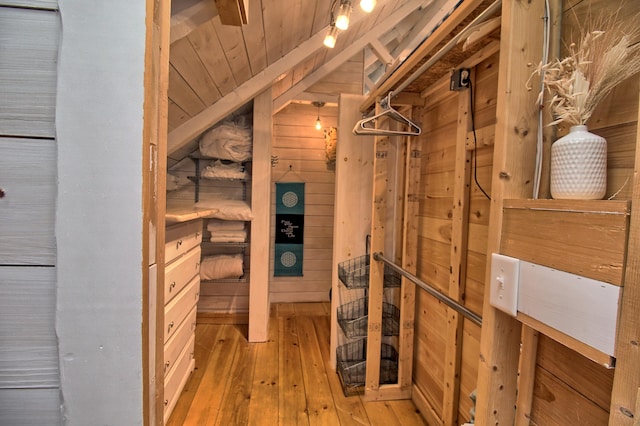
192	128
381	52
352	203
309	97
376	268
410	225
400	31
261	208
156	107
422	28
527	372
480	32
191	17
334	63
458	256
512	178
233	12
445	28
626	381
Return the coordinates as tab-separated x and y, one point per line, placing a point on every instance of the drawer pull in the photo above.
178	244
166	402
170	326
166	366
172	285
197	234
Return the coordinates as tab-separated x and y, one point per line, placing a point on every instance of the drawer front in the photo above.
176	343
176	311
177	378
179	273
181	238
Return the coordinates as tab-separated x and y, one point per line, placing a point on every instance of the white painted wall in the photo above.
99	119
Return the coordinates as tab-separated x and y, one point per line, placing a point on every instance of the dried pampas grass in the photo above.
607	54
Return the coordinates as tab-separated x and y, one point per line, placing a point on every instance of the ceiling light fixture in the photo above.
318	104
331	37
367	5
342	20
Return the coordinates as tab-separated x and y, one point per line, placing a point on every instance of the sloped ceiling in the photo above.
216	69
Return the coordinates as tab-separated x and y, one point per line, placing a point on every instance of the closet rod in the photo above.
490	10
476	319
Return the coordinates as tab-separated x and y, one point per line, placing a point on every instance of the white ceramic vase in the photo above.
579	166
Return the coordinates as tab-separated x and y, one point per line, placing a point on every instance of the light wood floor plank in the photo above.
264	393
350	409
381	414
321	408
292	404
208	400
235	405
407	413
285	381
310	309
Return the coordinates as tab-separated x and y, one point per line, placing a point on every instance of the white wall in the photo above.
99	118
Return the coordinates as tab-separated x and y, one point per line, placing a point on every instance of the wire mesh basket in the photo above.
353	318
354	273
351	365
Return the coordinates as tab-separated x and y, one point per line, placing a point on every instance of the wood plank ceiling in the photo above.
216	69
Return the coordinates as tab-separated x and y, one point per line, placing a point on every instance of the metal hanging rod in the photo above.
471	316
488	12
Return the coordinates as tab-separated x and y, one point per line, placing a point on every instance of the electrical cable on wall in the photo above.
475	143
539	144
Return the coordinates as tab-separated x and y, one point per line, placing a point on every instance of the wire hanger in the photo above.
366	126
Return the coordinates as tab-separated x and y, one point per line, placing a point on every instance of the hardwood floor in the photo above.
285	381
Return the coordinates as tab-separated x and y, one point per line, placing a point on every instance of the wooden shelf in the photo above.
177	212
583	237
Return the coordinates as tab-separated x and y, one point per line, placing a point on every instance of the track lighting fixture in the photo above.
342	20
318	104
331	37
367	5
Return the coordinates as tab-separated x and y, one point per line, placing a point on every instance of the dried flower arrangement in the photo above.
607	54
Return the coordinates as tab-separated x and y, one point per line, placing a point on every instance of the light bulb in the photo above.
331	37
342	21
367	5
318	124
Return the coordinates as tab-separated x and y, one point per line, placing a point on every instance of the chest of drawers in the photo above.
181	294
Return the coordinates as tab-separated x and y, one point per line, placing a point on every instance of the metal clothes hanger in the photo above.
366	126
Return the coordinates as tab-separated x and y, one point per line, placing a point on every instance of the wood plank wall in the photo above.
29	366
440	121
569	388
300	149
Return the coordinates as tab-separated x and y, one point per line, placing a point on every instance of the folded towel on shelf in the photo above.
220	225
218	170
227	209
228	141
221	266
239	236
228	239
